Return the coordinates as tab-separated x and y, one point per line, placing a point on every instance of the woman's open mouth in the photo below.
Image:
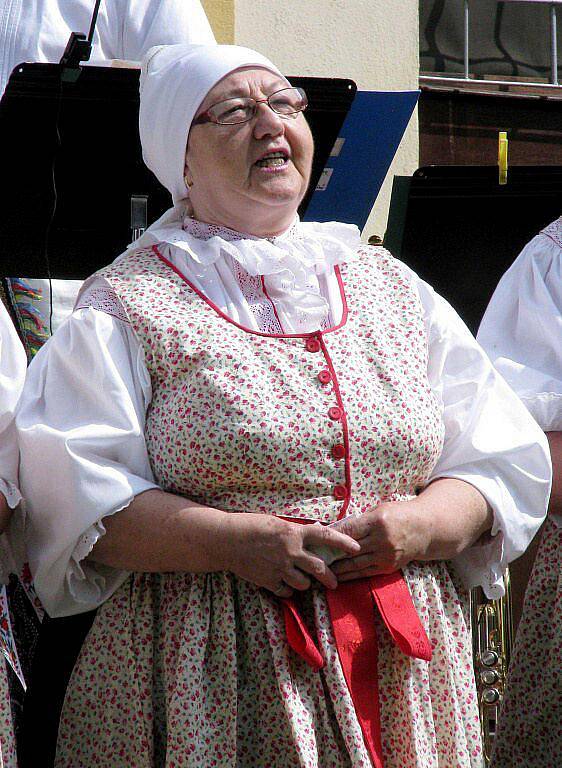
273	160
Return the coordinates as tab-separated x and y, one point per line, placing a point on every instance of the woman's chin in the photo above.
283	182
278	192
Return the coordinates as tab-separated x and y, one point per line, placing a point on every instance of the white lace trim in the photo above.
87	541
203	231
260	306
104	299
554	231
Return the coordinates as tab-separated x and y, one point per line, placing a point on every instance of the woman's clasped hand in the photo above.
393	534
275	553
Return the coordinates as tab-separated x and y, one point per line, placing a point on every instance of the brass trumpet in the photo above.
492	641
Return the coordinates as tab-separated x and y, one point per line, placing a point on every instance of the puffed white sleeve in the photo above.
12	375
81	425
522	328
490	441
162	22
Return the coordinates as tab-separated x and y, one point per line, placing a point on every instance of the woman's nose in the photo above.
267	122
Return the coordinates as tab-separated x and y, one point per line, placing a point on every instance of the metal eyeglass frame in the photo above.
207	117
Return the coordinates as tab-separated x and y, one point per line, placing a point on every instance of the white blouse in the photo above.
522	328
38	30
12	375
88	390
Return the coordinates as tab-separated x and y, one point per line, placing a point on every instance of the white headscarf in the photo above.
174	81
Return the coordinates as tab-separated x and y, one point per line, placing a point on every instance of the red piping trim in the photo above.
344	428
268	297
249	330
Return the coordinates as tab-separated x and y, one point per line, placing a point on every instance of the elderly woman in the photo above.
276	460
521	331
12	375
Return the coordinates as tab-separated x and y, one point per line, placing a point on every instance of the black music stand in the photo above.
460	230
98	165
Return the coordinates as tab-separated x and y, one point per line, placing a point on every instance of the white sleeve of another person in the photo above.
522	329
161	22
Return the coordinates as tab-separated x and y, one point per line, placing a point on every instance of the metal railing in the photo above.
466	56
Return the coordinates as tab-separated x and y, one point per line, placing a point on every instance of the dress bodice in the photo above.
313	426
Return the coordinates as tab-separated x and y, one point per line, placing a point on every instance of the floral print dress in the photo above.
195	670
7	741
530	725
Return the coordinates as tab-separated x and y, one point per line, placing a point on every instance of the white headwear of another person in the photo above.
174	81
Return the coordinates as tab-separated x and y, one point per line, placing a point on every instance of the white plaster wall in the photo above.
375	42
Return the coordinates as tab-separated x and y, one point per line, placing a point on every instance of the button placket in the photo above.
335	413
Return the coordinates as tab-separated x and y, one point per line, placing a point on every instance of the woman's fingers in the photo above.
295	578
354	564
373	571
317	568
281	591
356	526
325	535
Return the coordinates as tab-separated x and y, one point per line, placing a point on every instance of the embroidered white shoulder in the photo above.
554	231
101	296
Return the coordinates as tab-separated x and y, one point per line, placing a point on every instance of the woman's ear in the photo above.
187	177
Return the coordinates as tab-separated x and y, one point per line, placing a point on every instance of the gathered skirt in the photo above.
195	671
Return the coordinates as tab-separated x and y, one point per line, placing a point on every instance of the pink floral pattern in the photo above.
194	669
530	726
8	757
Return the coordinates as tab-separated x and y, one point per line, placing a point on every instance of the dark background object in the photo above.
458	127
59	644
97	164
460	230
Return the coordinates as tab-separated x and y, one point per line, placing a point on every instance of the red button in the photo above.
313	345
338	451
335	413
325	376
340	492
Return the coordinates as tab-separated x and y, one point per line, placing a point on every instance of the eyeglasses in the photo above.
287	102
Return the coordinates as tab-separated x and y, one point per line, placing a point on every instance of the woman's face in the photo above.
230	183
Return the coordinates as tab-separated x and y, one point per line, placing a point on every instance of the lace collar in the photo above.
289	263
203	231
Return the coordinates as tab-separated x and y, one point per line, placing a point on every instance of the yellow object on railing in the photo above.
502	157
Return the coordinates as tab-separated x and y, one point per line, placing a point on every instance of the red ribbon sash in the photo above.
351	608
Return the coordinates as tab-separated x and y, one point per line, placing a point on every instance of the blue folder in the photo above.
355	171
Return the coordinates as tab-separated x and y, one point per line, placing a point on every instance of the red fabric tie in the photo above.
351	608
